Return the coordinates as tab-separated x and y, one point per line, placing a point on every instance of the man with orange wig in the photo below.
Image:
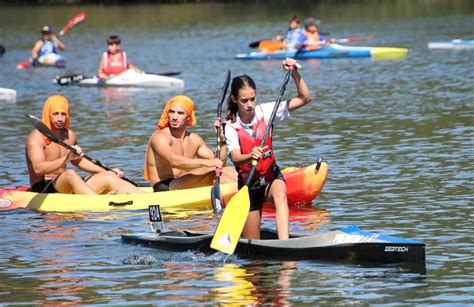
178	159
47	161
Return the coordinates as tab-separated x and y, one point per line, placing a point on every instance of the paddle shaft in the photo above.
215	191
270	125
41	127
94	161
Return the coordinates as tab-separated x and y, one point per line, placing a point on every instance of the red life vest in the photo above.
248	142
115	66
312	40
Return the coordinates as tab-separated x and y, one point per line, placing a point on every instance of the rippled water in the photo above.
398	136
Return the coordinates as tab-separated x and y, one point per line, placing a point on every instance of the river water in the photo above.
398	137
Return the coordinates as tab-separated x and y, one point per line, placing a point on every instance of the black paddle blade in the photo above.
41	127
69	79
171	73
254	44
216	199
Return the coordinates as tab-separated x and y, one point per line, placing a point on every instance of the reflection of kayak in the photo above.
350	244
129	78
454	44
52	59
331	51
304	184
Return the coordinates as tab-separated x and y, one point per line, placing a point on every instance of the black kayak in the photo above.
349	245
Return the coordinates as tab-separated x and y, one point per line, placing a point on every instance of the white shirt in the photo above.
262	110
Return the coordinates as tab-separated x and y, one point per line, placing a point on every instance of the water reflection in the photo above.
250	283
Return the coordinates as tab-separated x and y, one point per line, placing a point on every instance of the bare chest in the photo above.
185	148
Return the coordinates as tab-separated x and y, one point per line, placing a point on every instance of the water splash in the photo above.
142	260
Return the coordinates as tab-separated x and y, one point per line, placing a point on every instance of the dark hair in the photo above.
113	39
237	84
295	18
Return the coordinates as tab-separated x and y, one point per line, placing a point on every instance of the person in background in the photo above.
290	40
114	61
310	39
48	44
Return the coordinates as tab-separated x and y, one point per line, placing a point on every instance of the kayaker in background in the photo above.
245	127
310	39
48	44
47	161
291	39
178	159
114	61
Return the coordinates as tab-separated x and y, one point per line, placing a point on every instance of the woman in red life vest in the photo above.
244	130
114	60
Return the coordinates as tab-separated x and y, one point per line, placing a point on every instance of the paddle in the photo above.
74	78
76	20
171	73
256	44
41	127
216	199
235	214
274	45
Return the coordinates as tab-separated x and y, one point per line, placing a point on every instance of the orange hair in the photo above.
55	103
183	101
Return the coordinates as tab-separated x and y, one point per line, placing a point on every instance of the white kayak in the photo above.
454	44
7	94
51	59
129	78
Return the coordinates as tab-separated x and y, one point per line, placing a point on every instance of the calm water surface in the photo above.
398	136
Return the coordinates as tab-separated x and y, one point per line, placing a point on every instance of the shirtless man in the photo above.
178	159
47	161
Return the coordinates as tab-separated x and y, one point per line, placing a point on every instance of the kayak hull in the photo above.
50	60
131	78
306	184
332	51
349	245
454	44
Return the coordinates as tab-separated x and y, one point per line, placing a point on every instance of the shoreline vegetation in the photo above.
453	3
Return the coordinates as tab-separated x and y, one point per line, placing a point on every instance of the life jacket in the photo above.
312	40
47	48
248	142
115	66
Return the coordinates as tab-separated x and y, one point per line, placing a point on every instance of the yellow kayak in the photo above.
304	184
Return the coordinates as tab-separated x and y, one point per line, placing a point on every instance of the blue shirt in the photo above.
47	48
292	37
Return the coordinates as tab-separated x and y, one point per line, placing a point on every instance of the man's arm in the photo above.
205	152
36	49
84	164
100	70
161	147
35	154
60	44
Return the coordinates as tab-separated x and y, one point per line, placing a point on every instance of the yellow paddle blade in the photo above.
232	222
